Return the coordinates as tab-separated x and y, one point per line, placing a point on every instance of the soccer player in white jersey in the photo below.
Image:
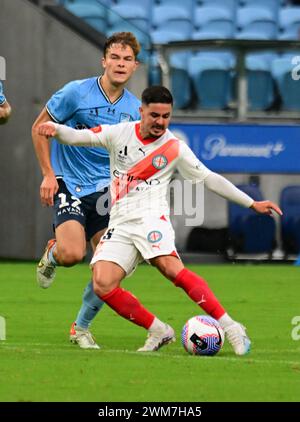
75	178
5	108
143	158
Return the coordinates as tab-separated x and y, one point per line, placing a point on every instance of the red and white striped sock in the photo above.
128	306
198	290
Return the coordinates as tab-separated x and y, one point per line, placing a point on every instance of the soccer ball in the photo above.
202	335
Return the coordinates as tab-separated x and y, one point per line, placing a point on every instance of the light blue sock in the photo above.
90	307
51	256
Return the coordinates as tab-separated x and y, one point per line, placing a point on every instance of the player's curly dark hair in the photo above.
124	38
157	94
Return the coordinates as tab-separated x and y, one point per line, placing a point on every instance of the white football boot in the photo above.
82	337
236	335
157	339
45	272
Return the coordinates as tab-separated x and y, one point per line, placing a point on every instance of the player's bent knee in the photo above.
102	283
102	288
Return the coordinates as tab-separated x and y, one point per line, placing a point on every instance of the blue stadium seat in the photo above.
226	56
106	3
290	221
289	23
136	12
181	87
272	5
187	5
147	4
214	19
252	35
212	81
230	5
91	13
248	231
164	36
154	71
260	81
138	16
179	77
256	23
213	35
289	88
288	54
292	33
172	18
181	84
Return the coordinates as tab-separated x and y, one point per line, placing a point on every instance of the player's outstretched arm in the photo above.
223	187
191	168
67	135
265	207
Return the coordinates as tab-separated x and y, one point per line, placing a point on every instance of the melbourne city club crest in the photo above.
154	236
159	162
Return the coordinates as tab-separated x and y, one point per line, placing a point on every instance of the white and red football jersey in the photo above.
141	169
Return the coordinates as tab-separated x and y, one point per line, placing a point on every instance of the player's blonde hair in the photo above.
124	38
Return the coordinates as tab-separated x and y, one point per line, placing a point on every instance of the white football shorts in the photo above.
132	242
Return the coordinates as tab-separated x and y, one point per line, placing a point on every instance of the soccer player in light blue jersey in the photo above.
5	108
75	178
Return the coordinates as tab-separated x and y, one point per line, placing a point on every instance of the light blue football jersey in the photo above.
83	104
2	96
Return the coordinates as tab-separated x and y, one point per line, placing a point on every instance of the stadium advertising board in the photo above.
237	148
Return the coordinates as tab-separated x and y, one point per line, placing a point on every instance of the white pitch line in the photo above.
245	359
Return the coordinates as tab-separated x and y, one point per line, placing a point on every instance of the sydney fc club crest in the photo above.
124	117
159	162
154	236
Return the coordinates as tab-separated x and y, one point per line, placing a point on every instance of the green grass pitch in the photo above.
39	364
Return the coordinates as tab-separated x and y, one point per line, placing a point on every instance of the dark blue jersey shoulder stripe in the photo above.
51	115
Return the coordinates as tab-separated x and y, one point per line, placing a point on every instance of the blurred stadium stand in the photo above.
159	22
212	80
249	232
290	223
